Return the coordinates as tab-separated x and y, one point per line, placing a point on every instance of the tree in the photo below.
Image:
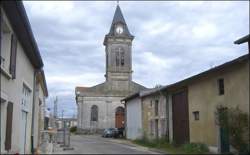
237	123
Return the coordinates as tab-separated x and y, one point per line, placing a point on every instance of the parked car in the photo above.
108	132
118	132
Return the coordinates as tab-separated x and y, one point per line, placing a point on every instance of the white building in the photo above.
133	109
23	86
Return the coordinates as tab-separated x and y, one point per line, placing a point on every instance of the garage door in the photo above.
180	118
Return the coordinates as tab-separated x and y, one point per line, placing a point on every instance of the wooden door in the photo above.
224	132
119	117
180	117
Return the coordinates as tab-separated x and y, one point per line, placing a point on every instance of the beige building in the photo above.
23	86
39	108
188	108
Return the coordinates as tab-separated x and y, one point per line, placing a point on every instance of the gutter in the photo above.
33	109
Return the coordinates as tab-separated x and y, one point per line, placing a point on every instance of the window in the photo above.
196	115
122	58
221	86
26	98
117	58
94	113
156	107
5	44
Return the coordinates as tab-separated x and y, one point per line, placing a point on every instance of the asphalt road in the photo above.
95	144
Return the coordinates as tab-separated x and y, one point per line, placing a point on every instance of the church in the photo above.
100	107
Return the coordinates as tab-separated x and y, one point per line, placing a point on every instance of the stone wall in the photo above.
150	118
106	112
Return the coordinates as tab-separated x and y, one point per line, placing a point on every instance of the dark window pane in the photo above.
94	113
156	107
196	115
122	58
221	86
117	58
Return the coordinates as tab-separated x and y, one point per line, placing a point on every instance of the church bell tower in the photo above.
118	47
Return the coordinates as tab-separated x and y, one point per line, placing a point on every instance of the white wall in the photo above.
134	119
13	91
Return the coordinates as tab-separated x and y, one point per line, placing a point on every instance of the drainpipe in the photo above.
33	109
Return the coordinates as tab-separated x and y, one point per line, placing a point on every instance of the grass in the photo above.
192	148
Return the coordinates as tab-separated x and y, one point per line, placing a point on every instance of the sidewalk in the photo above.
128	142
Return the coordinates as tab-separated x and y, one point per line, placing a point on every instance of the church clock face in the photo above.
119	29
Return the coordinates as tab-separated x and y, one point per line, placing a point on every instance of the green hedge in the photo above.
195	148
73	129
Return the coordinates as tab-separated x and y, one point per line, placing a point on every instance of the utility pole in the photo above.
55	107
63	125
55	113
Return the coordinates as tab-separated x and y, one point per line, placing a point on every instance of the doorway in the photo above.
224	143
180	118
23	131
119	117
156	129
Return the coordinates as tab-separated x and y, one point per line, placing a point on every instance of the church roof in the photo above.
118	18
103	89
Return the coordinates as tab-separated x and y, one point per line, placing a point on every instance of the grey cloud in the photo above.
70	37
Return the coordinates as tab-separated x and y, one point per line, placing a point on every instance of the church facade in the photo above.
100	107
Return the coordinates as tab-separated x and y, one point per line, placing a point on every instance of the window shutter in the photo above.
1	21
9	126
13	56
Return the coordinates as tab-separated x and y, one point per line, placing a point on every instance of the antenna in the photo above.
117	2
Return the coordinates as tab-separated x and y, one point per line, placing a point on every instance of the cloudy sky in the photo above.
173	40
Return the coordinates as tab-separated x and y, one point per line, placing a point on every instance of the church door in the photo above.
119	117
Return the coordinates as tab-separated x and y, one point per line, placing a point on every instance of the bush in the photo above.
73	129
195	148
238	124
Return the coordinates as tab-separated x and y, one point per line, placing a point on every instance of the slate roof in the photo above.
118	18
103	89
243	39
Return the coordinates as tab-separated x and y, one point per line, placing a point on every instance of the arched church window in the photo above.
122	58
94	113
117	58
